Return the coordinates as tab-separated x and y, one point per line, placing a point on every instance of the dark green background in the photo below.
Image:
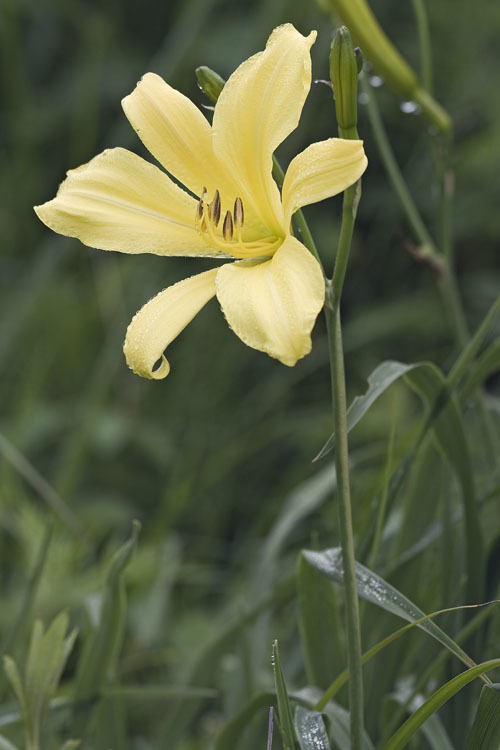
205	458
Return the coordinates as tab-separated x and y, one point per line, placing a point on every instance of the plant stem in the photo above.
427	251
332	312
424	40
449	286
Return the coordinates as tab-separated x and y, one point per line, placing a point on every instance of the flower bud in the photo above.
386	59
209	82
344	77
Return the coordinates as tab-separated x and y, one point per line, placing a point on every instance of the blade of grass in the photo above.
375	589
404	734
485	731
284	709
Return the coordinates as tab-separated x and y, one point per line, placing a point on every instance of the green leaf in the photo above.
101	648
473	345
310	729
47	656
379	381
375	589
19	622
404	734
433	729
14	678
430	383
488	363
284	708
70	745
485	731
319	626
300	503
446	420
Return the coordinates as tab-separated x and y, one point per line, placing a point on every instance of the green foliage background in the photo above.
207	459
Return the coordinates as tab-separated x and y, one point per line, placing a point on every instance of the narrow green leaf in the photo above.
19	622
473	346
102	646
435	668
47	655
379	381
319	626
341	680
487	364
284	708
433	729
447	422
14	678
375	589
485	731
300	503
69	745
404	734
310	729
445	418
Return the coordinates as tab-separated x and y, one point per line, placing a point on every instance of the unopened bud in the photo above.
386	60
344	76
209	82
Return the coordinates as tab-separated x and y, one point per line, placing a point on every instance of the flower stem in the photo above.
427	251
420	13
332	312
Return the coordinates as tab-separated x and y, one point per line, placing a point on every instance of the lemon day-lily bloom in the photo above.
273	289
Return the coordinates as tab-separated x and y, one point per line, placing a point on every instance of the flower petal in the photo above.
177	134
258	107
323	169
120	202
272	306
161	319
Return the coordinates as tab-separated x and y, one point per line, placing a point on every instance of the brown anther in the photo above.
214	208
199	210
239	215
227	227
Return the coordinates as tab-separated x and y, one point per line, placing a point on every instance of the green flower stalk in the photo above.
396	72
344	75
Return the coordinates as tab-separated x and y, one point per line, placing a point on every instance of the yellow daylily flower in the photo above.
273	290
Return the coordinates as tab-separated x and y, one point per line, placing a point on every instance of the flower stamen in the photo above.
214	209
227	227
207	219
239	217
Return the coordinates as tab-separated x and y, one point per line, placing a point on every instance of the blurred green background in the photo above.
206	458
